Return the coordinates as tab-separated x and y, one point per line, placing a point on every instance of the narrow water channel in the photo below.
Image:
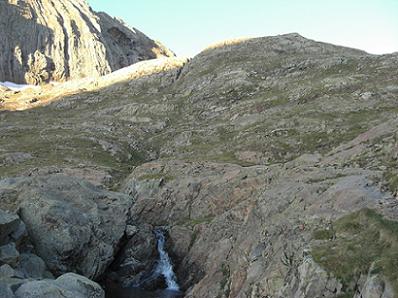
163	268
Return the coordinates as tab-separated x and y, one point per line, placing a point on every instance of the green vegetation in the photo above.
363	240
194	236
276	102
224	286
326	234
197	221
65	148
317	180
391	177
224	118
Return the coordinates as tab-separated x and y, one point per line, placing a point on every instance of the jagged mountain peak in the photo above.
60	40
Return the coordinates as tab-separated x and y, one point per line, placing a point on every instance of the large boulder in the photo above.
69	285
73	225
9	254
25	274
32	266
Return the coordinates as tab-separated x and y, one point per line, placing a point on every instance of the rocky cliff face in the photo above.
271	162
45	40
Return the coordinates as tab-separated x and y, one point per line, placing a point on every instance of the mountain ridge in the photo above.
214	49
60	40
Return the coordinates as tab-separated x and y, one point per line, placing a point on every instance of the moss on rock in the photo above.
364	240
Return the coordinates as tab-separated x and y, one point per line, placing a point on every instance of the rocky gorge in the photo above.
269	165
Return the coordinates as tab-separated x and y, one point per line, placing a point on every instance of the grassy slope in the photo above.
312	115
357	243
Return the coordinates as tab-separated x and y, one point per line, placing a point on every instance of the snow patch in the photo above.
16	87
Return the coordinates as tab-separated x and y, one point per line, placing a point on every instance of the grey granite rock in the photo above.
9	254
32	266
9	224
5	291
73	225
7	271
66	286
59	40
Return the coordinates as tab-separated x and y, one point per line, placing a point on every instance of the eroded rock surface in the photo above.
250	227
24	274
59	40
73	225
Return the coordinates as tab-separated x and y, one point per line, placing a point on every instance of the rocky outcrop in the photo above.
375	286
47	40
73	225
24	274
311	280
250	229
137	258
69	285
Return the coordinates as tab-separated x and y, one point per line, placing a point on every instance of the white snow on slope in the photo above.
16	87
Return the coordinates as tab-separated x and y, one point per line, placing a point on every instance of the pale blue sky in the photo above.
189	26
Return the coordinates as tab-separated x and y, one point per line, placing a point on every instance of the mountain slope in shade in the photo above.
45	40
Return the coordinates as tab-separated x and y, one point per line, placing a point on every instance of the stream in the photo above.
163	268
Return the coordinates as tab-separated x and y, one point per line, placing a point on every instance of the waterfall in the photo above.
164	266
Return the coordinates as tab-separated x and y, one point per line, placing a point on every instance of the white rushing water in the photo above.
164	266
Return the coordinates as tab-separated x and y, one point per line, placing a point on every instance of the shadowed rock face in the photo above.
47	40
